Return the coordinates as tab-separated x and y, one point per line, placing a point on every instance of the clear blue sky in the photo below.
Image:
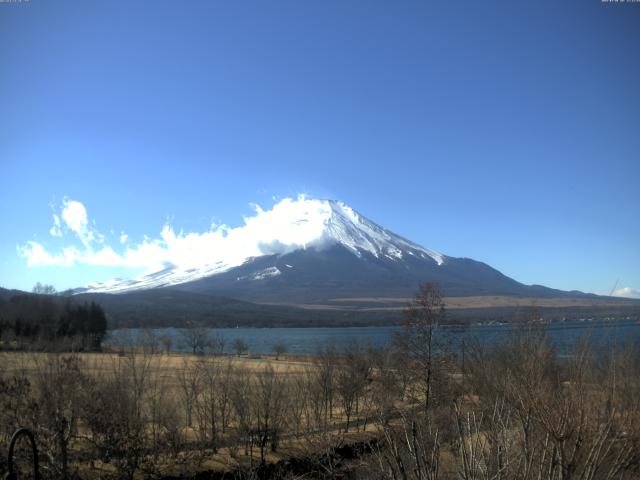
508	132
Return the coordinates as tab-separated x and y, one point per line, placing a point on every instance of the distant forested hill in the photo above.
30	318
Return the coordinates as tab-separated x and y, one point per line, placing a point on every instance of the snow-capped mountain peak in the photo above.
350	229
289	226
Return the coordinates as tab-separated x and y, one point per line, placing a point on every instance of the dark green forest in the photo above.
42	320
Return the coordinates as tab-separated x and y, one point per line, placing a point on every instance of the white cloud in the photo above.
76	219
627	292
266	232
56	230
35	254
75	216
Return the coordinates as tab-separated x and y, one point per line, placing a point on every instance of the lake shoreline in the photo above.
309	340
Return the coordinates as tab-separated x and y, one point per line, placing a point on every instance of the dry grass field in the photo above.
511	411
397	304
179	395
166	365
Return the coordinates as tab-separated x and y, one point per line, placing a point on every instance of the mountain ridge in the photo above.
312	251
308	224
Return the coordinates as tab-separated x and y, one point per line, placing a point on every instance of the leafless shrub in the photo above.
573	418
411	450
240	346
115	413
240	397
189	377
210	410
18	408
280	348
57	382
298	403
352	378
268	405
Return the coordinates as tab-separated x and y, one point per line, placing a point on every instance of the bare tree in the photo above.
298	405
58	383
189	377
268	404
217	344
196	337
207	403
544	418
115	413
325	378
241	393
147	341
417	340
167	342
280	348
240	346
44	289
390	382
223	396
352	378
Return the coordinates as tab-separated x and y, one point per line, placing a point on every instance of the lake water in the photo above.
563	335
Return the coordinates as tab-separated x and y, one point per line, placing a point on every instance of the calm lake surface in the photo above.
564	335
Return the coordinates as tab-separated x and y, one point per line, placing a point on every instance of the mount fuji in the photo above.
323	251
312	262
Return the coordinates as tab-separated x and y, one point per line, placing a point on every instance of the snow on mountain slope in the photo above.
352	230
289	226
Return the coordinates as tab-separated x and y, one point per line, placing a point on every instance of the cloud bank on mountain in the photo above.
289	225
627	292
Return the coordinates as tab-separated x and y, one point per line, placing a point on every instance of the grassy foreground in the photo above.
510	411
133	414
